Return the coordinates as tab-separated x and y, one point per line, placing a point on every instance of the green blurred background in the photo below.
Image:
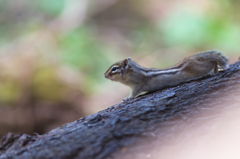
53	53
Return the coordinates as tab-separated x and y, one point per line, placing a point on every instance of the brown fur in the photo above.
144	79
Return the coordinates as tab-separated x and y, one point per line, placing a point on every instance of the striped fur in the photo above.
146	79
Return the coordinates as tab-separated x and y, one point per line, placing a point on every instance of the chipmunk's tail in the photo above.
216	56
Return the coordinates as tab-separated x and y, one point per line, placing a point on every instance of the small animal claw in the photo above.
127	99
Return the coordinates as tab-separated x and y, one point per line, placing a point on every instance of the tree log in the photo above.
134	128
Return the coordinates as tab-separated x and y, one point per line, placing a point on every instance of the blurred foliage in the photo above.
43	80
189	30
53	7
80	49
9	91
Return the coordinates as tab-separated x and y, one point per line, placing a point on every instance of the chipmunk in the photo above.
142	79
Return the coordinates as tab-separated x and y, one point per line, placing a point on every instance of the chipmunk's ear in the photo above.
125	66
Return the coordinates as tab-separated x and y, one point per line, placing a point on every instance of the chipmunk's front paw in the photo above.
127	99
227	67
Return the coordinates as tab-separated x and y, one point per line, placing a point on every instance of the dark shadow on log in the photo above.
157	118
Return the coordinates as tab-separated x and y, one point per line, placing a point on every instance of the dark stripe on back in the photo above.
165	73
147	70
178	66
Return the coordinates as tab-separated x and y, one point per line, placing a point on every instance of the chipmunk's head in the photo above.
117	70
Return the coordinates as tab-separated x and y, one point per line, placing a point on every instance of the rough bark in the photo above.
125	127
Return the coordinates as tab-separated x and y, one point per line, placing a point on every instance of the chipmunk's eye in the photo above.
114	69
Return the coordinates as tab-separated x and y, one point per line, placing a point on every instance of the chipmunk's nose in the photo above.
105	75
